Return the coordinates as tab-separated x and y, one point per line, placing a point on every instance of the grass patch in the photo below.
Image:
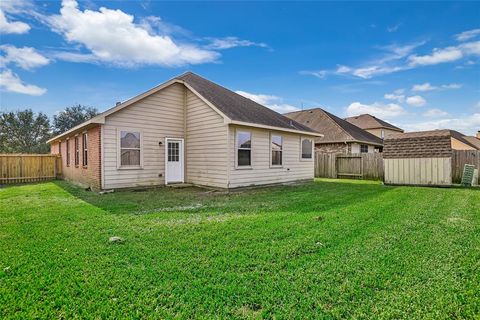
329	249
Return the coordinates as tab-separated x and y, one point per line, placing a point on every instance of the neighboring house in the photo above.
378	127
339	136
191	130
475	140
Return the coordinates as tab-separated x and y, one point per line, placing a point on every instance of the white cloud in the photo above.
416	101
319	73
465	124
26	58
435	113
438	56
12	27
428	87
384	111
397	95
12	83
269	101
232	42
471	48
112	36
467	35
394	28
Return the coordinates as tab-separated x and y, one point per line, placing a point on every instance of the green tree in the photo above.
72	116
24	132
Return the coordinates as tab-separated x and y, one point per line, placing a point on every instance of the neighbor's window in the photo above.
277	149
244	148
307	145
60	148
85	149
77	152
68	152
363	148
129	148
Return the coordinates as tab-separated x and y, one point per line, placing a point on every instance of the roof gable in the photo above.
334	128
237	107
367	121
227	103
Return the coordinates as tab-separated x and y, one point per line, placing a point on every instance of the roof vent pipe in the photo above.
478	134
118	103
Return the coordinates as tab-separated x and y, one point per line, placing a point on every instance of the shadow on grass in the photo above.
321	195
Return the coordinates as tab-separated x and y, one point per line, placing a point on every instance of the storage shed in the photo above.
419	158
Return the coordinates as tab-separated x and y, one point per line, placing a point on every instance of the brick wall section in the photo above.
85	176
332	147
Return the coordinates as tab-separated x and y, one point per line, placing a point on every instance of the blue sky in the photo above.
413	64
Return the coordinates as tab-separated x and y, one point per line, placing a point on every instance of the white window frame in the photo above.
119	149
237	131
271	150
313	149
76	151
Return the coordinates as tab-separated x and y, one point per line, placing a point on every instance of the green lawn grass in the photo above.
329	249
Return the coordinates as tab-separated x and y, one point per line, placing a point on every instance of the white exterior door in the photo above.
174	160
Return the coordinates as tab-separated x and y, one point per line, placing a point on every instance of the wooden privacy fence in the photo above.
459	159
19	168
361	165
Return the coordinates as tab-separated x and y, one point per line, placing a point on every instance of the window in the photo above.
173	154
276	143
129	148
307	145
68	152
363	148
85	149
77	152
60	148
244	148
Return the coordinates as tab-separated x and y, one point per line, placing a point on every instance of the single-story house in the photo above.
374	125
186	130
339	136
423	157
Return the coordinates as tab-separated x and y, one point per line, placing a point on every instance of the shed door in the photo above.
174	160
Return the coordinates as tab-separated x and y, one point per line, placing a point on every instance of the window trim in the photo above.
237	167
76	150
85	149
363	145
119	149
60	148
301	146
67	145
275	166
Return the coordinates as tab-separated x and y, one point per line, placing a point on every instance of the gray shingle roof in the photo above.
334	128
367	121
237	107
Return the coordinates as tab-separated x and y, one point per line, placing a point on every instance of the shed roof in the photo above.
420	144
335	129
367	121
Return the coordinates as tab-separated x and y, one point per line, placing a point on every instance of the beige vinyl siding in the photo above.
261	172
157	116
206	144
356	148
418	171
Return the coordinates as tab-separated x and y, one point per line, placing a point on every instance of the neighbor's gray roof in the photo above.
333	128
237	107
367	121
